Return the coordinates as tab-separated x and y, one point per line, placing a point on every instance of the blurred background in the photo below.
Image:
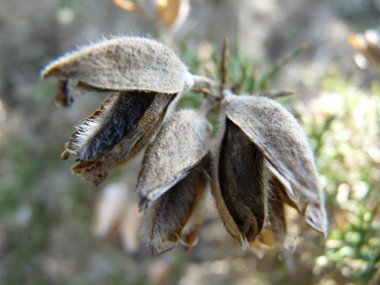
56	229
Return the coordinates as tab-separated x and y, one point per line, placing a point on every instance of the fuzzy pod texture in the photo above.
121	64
165	218
116	132
277	219
182	142
117	117
240	184
277	134
189	237
243	181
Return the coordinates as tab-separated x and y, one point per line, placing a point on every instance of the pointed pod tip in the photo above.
316	217
44	73
49	70
143	204
242	240
65	155
158	249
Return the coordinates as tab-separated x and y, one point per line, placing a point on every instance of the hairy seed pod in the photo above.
116	132
314	215
240	184
182	142
119	64
189	235
279	137
276	216
165	218
275	233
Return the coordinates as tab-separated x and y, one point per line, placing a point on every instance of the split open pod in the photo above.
173	177
145	78
263	160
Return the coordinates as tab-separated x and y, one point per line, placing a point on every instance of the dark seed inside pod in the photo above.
241	181
123	117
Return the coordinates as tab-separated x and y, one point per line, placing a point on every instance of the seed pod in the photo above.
119	64
116	132
276	216
275	233
165	218
182	143
189	236
279	137
240	184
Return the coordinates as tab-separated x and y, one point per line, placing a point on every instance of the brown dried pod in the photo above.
189	237
116	132
119	64
182	142
277	221
275	233
240	184
276	133
165	218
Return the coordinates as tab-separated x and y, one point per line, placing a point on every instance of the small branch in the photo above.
209	93
275	94
204	81
225	63
212	86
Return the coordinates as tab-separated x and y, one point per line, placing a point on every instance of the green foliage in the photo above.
249	79
344	128
25	207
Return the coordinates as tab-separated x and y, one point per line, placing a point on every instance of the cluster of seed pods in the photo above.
259	160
